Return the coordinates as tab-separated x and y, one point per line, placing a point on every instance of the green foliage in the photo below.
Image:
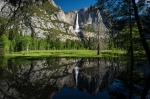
49	8
42	44
4	43
26	43
3	20
137	46
111	45
34	44
18	45
122	39
12	33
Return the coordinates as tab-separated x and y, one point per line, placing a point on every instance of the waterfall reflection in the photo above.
37	79
92	79
76	72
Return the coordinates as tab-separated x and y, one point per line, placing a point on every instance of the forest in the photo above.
117	37
125	18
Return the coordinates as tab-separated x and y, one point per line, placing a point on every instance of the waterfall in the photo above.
77	25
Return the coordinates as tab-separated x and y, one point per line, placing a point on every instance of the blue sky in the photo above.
68	5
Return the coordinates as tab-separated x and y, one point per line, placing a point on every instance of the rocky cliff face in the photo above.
40	19
93	22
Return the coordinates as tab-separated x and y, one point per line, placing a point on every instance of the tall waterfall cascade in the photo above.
77	29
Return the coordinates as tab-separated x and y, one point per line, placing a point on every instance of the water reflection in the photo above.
76	73
48	78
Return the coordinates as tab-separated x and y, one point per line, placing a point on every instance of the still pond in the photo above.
71	78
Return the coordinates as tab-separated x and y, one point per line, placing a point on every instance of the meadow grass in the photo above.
66	53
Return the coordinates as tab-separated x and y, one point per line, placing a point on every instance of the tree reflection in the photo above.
95	80
43	78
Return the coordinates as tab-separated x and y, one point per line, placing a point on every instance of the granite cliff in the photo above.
40	19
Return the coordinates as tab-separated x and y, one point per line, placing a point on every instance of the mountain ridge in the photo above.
46	19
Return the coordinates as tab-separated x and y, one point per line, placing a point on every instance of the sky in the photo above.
67	5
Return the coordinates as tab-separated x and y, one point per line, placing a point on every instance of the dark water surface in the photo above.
70	78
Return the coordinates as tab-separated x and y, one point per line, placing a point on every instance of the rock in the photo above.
41	22
53	3
71	16
61	16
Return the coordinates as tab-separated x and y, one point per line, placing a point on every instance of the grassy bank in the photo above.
66	53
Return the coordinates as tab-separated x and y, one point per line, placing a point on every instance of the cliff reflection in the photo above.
94	77
42	79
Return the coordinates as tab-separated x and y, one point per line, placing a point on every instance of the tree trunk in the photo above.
143	40
98	49
131	51
145	45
